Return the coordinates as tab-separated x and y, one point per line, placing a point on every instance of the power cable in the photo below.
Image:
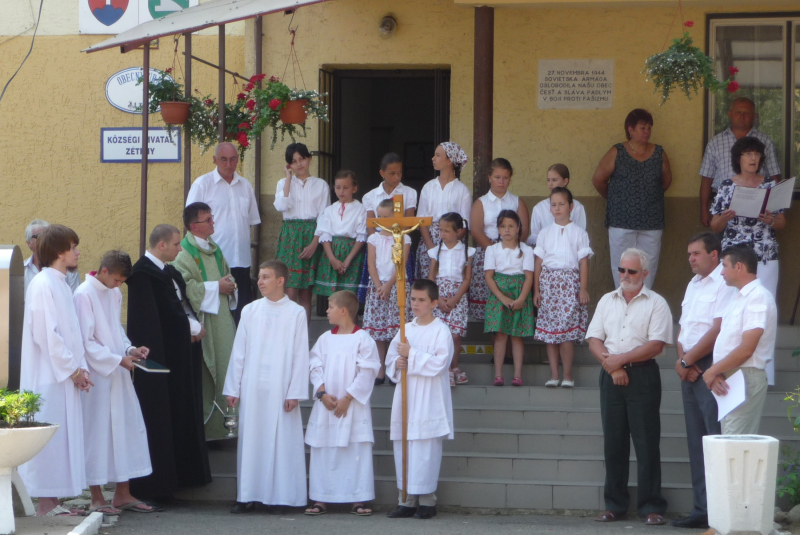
33	39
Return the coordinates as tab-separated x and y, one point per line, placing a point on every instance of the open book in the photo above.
752	202
150	366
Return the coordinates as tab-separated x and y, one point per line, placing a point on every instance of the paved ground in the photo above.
60	525
213	519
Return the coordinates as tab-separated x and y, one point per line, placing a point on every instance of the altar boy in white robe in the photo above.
344	363
54	366
426	356
115	438
268	374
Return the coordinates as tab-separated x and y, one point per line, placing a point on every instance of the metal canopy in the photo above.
212	13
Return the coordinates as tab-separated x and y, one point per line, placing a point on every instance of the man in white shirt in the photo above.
31	265
707	297
630	327
746	340
233	203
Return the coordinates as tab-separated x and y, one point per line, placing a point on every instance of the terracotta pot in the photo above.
175	112
293	112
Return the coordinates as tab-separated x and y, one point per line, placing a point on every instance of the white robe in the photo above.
114	433
340	469
269	364
430	407
52	350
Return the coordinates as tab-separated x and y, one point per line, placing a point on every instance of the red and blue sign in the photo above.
108	11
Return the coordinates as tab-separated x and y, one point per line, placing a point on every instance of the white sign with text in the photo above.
124	145
575	84
123	90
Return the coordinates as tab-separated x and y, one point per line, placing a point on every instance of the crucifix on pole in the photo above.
399	226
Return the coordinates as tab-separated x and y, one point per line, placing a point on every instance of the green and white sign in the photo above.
159	8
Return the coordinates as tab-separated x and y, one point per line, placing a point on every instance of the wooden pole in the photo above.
221	83
145	147
187	142
401	300
258	44
483	99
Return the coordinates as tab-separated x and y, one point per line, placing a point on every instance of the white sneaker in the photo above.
552	383
567	384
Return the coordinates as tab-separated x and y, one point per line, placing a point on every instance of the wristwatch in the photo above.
683	363
320	394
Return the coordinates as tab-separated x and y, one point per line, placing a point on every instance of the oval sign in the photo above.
122	91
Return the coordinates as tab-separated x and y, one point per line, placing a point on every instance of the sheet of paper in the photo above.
780	196
734	397
747	202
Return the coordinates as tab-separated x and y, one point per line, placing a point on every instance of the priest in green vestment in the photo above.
211	290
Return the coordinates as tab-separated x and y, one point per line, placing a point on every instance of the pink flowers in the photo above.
733	87
274	104
208	102
733	70
688	23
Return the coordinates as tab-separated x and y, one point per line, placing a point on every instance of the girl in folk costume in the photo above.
442	195
483	222
344	363
301	198
451	269
560	283
342	231
557	177
381	314
509	310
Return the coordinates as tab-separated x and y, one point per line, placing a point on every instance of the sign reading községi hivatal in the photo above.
580	84
115	16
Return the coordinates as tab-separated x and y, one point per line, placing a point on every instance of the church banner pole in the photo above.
401	300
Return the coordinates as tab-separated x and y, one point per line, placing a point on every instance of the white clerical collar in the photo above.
155	260
202	243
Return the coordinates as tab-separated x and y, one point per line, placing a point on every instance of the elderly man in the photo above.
707	297
630	327
716	165
233	204
32	266
746	340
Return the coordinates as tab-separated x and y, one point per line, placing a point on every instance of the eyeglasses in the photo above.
622	271
206	220
232	159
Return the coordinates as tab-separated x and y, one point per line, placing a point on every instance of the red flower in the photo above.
244	126
688	23
253	119
249	87
251	104
241	96
208	102
273	79
242	139
733	87
733	70
168	71
274	104
257	77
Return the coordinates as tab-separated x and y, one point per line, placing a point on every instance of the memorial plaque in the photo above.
575	84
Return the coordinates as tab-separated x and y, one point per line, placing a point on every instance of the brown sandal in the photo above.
610	516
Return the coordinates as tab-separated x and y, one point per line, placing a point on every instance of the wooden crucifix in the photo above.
399	226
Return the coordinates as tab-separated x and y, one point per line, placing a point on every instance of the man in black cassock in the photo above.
160	317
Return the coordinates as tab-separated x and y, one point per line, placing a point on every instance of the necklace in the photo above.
630	144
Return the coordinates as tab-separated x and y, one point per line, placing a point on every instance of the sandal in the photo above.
517	381
110	510
499	381
461	377
134	507
452	379
59	510
316	510
360	506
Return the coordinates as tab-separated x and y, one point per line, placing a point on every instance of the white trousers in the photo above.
424	462
648	241
768	275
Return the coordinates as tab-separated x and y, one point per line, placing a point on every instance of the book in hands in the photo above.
150	366
752	202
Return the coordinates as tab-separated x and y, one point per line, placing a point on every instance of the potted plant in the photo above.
281	109
685	67
167	93
202	126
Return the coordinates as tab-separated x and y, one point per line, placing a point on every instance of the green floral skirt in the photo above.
500	318
295	236
328	279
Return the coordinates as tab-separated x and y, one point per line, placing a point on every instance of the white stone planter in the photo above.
740	483
18	446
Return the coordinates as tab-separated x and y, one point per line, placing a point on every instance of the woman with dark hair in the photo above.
633	177
747	159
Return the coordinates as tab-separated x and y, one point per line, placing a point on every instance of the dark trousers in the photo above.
700	412
245	287
632	412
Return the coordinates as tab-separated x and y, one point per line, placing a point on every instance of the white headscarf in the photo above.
455	154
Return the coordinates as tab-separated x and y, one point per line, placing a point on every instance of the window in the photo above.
766	50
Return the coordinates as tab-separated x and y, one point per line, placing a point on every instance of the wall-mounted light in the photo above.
388	26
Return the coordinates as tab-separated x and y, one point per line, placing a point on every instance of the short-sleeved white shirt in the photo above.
372	199
383	254
451	261
717	162
623	326
492	206
234	209
509	261
435	201
752	307
541	217
307	198
562	247
706	299
342	219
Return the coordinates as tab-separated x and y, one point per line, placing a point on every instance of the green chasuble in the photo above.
198	266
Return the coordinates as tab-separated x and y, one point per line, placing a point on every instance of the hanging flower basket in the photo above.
294	112
175	112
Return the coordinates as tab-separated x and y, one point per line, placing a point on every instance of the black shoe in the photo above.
693	522
402	512
242	507
425	512
379	381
